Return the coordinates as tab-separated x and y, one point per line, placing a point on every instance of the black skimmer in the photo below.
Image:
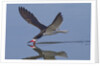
45	54
44	30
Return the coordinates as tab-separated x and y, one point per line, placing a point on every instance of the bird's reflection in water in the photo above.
45	54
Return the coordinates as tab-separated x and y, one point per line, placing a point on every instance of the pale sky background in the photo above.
76	19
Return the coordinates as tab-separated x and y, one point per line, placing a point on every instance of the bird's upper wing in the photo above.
30	18
56	23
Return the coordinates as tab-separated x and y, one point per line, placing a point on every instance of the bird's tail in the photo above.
62	31
62	54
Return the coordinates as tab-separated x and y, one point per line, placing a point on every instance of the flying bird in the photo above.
44	30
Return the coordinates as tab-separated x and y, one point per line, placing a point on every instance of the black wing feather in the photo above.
33	57
30	18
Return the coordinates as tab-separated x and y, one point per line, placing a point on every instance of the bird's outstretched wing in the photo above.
33	57
56	23
30	18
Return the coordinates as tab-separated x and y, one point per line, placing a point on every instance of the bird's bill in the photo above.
32	46
33	42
